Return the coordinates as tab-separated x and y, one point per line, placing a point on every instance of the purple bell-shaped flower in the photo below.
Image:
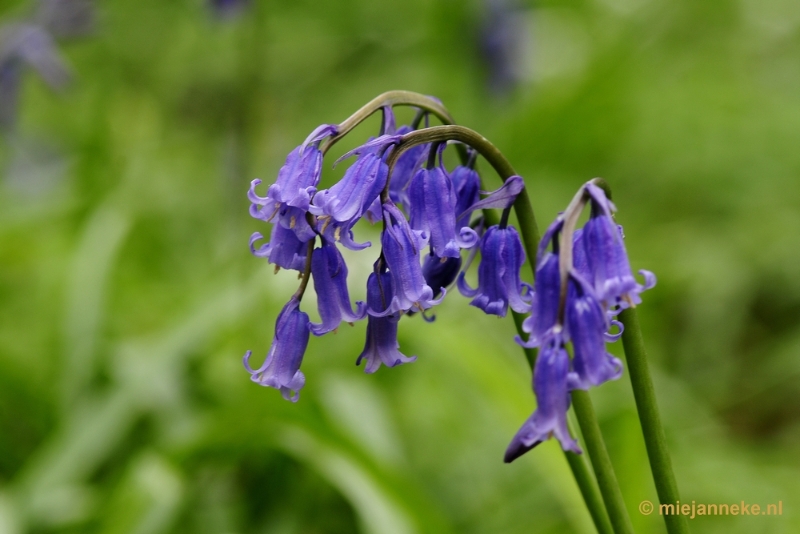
289	197
499	284
330	283
607	261
586	324
283	250
381	346
281	369
433	210
550	383
401	250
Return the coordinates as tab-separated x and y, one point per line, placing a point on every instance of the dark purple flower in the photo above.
283	250
579	260
401	249
503	38
440	272
433	210
550	379
281	369
289	197
499	285
467	187
404	169
544	307
381	346
330	283
340	207
586	324
606	258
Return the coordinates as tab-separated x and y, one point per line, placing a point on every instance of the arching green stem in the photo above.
390	98
522	206
529	232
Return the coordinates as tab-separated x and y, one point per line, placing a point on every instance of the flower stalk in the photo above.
609	487
654	438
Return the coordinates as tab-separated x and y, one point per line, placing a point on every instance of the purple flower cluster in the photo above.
599	285
582	278
421	205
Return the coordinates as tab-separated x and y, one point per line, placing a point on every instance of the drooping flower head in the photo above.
330	283
586	325
440	272
289	197
281	369
401	249
499	284
381	346
547	289
606	258
340	207
433	210
467	188
550	383
283	250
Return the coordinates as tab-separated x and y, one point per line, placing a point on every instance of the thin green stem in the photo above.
530	236
601	462
654	438
390	98
590	492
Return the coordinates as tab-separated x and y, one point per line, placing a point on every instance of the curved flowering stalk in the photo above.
575	301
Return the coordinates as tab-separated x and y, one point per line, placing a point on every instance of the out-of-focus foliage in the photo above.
128	294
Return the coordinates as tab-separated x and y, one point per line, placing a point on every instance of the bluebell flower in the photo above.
404	169
381	346
340	207
433	210
499	284
550	383
586	324
467	187
289	198
281	369
607	261
401	250
283	250
544	306
330	283
440	272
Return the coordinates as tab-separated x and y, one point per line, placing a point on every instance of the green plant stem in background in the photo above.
654	438
590	492
601	462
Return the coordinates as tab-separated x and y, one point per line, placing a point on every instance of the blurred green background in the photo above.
128	294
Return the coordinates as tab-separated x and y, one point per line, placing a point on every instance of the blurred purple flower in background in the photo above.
503	38
31	43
